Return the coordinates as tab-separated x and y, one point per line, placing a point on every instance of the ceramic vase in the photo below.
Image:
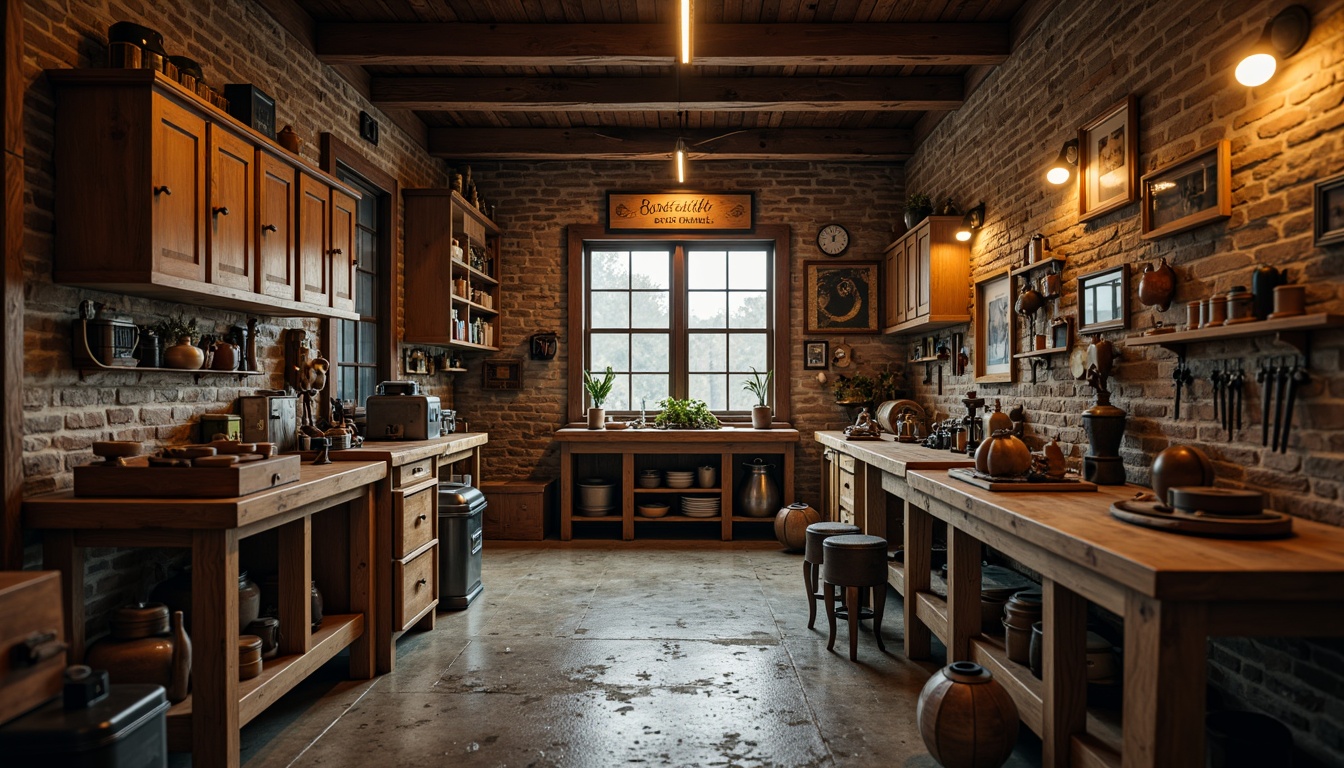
760	417
145	647
597	418
759	496
966	718
184	355
791	525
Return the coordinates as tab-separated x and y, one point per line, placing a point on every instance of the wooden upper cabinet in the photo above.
231	209
178	192
911	279
277	261
314	241
342	250
933	286
893	260
923	298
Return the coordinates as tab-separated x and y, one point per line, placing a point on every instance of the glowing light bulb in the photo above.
1256	69
1057	175
685	31
681	161
963	235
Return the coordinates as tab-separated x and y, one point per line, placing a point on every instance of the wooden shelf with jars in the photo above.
452	252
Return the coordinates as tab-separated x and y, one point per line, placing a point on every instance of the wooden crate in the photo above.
30	607
519	510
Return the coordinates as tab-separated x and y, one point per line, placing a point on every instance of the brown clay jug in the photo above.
184	355
996	419
1003	455
144	649
226	357
1157	285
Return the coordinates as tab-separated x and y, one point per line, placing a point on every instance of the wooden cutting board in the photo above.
1008	484
141	480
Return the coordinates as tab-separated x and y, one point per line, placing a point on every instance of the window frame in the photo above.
777	236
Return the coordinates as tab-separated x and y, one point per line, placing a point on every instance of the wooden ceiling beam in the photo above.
613	94
643	144
858	44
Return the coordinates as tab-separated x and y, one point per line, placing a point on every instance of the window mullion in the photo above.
680	363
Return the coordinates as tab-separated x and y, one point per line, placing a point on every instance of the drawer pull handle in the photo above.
37	648
422	516
270	228
335	252
222	211
275	479
162	190
421	582
416	470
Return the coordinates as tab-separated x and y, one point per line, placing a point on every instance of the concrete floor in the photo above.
611	653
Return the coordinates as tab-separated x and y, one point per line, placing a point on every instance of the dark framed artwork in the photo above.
1103	300
503	373
1061	333
1108	160
995	329
1190	192
816	355
1329	199
841	297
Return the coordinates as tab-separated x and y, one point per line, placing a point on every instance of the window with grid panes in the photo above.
680	319
357	340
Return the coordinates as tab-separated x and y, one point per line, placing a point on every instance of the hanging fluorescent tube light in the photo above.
681	161
686	16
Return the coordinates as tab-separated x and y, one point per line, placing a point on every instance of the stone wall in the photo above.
534	203
64	413
1177	58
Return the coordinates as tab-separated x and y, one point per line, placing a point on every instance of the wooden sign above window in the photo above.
680	211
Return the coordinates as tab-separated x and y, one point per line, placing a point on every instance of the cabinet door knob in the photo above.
222	211
269	228
421	582
335	252
163	190
422	516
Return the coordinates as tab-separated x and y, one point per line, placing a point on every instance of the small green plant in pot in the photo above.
685	414
598	390
760	387
918	206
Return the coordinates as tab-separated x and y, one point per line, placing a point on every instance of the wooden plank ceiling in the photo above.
772	79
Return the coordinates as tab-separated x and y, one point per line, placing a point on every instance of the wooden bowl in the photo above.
215	461
652	510
117	449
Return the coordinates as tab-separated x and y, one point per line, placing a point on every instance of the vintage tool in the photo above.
1266	378
1300	377
1183	379
1281	375
1238	382
1215	378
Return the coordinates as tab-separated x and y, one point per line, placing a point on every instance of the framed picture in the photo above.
841	297
503	373
1103	300
995	329
1330	211
1108	160
816	355
1061	333
1191	192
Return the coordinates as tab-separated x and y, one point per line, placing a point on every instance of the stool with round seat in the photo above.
859	564
812	556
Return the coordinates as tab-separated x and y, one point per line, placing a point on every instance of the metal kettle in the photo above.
1037	248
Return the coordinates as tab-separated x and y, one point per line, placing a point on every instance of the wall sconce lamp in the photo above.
1060	171
973	220
1284	35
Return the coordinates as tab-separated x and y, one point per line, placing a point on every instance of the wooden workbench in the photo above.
207	722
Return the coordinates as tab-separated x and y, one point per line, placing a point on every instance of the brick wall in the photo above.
236	41
1178	59
535	202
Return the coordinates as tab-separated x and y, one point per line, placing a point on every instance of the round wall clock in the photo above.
833	239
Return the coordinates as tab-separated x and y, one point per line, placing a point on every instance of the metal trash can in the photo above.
125	727
461	509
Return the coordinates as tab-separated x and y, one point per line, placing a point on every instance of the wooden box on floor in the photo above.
519	510
30	610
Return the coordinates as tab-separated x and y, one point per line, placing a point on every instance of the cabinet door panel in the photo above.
891	280
232	262
179	192
314	240
911	279
277	267
922	277
342	250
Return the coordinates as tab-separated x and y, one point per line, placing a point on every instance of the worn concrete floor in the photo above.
617	653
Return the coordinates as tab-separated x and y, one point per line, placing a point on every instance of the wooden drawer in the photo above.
414	472
30	608
519	510
845	461
414	518
417	587
847	489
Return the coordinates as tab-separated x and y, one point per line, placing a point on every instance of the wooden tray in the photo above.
1066	485
1265	525
140	479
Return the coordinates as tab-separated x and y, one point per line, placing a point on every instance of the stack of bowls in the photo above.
649	478
679	479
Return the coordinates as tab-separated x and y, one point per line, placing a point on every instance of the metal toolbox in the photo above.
402	417
271	419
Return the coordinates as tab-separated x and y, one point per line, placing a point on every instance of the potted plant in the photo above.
918	206
855	390
179	336
597	393
760	387
685	414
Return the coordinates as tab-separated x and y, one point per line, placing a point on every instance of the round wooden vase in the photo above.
966	718
791	525
184	355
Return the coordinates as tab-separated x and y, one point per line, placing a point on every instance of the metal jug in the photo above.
759	496
1037	248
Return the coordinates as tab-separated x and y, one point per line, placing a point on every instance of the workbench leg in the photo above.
627	496
214	641
789	460
566	493
380	620
963	593
874	502
59	553
474	465
294	581
1164	683
362	597
727	503
918	577
1064	663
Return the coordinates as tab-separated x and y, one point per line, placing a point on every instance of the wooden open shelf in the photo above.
682	491
1038	265
470	270
198	373
740	519
1293	331
1041	353
481	308
676	519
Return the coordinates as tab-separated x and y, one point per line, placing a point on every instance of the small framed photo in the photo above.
1108	160
995	331
1330	211
1191	192
841	296
503	373
1061	333
1103	300
816	355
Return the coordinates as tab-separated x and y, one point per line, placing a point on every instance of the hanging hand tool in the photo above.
1238	381
1300	377
1184	379
1266	378
1281	375
1216	379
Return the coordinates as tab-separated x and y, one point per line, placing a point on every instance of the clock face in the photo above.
833	239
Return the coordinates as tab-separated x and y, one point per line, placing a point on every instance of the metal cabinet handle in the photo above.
163	190
416	470
335	252
422	516
269	228
421	582
222	211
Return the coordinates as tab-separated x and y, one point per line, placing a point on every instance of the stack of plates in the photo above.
649	478
677	479
700	507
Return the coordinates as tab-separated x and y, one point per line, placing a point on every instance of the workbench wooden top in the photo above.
890	456
1079	527
681	436
315	484
399	452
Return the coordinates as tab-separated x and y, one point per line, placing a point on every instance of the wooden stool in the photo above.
812	555
859	564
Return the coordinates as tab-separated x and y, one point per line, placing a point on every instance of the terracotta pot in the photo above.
1157	285
966	718
760	417
225	358
791	525
597	418
184	355
131	656
1003	455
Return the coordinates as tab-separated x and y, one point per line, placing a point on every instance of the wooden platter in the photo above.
1067	485
1149	514
141	480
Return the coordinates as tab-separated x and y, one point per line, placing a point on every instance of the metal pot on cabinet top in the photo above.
759	496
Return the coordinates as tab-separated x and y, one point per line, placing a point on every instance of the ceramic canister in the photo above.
1021	611
1289	300
1217	310
1240	306
1192	315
